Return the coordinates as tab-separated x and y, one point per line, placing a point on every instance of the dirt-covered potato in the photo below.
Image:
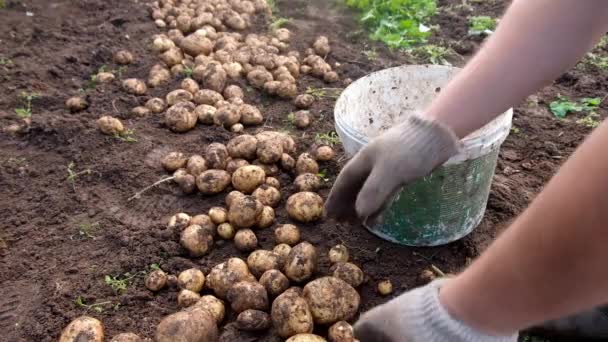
291	314
305	206
301	262
105	77
233	91
321	46
235	164
271	170
306	164
427	276
301	119
258	77
306	338
250	115
271	87
282	34
289	145
338	253
307	182
245	240
186	298
324	153
287	162
232	196
196	44
126	337
158	75
173	56
83	328
287	234
237	128
110	125
156	280
341	332
233	70
212	305
191	279
213	77
184	23
331	77
348	272
76	104
123	57
223	276
266	218
283	251
134	86
305	69
247	295
190	86
226	231
304	101
181	117
156	105
385	287
186	181
244	146
268	195
287	90
207	97
196	165
321	69
218	215
248	178
253	320
331	300
161	44
205	114
274	282
273	182
216	156
193	325
261	260
174	161
227	116
269	151
212	182
203	221
179	221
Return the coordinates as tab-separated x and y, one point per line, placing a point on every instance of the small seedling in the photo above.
323	175
278	22
514	130
86	230
332	93
26	98
482	25
330	138
120	283
97	307
371	54
291	119
126	136
562	106
433	54
155	267
73	174
188	72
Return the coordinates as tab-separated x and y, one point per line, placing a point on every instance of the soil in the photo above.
47	261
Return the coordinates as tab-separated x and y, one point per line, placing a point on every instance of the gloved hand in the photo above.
418	316
406	152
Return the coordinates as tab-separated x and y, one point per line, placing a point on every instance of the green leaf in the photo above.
591	102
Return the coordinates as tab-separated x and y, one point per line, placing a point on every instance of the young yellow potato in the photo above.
306	164
156	280
227	116
291	314
338	253
341	332
306	338
244	146
245	240
161	44
287	234
244	211
187	326
331	77
191	279
179	221
348	272
126	337
196	44
105	77
259	77
212	182
304	101
271	87
184	23
205	114
307	182
331	300
269	151
267	195
214	77
76	104
273	182
123	57
301	262
173	161
289	145
233	91
274	282
287	162
250	115
248	178
216	156
321	46
110	125
233	195
179	95
287	90
213	305
282	250
181	117
427	276
205	222
223	276
324	153
186	181
158	76
207	97
235	164
321	69
385	287
186	298
253	320
218	215
266	218
196	165
261	261
247	295
305	206
190	86
140	111
237	128
305	69
302	119
233	70
156	105
226	231
83	326
134	86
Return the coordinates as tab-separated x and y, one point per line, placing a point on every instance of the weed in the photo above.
86	230
97	307
433	54
515	130
119	284
73	174
291	119
273	5
590	121
26	98
278	22
323	176
126	136
188	72
371	54
332	93
562	106
155	267
595	60
330	138
121	70
482	24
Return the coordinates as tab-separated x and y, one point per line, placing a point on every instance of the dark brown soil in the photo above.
46	264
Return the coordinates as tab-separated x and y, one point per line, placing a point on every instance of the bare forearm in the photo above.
535	42
552	261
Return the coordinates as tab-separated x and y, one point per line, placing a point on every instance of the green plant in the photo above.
332	93
188	72
6	63
591	120
330	138
155	267
86	230
371	54
126	136
562	106
73	174
596	60
323	175
277	23
120	283
26	98
397	23
433	54
97	307
2	4
515	130
482	25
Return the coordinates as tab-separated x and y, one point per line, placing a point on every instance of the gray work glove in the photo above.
418	316
406	152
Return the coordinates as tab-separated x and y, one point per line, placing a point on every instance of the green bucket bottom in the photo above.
442	207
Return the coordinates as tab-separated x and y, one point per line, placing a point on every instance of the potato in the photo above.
253	320
305	69
235	164
305	206
196	44
175	35
196	165
218	215
341	332
385	287
267	195
427	276
187	326
223	276
247	295
232	196
162	44
273	182
181	117
301	262
233	91
283	35
258	78
186	298
158	76
83	328
289	145
216	156
250	115
324	153
213	77
304	101
306	164
134	86
283	251
338	253
286	77
223	103
274	282
301	119
320	69
212	182
266	218
126	337
186	181
233	70
245	240
207	97
212	305
269	151
287	234
321	46
287	90
105	77
191	279
261	261
190	86
184	23
76	104
226	231
123	57
205	222
348	272
179	95
244	146
306	338
331	77
248	178
331	300
287	162
174	161
179	221
237	102
269	169
205	114
156	105
156	280
110	125
227	116
307	182
272	87
291	314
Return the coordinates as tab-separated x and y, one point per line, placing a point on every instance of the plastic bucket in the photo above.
446	205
